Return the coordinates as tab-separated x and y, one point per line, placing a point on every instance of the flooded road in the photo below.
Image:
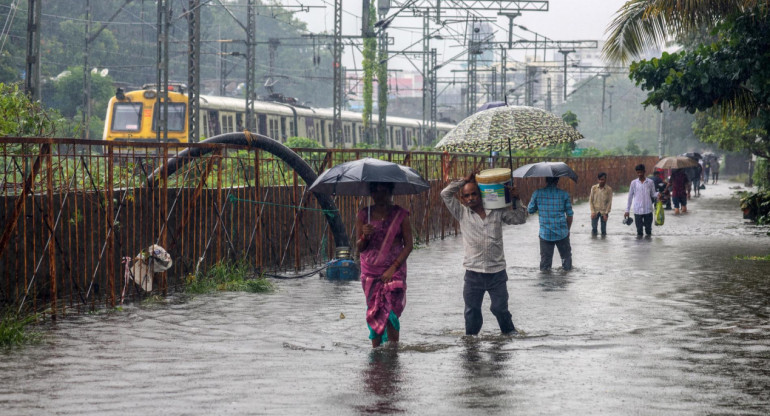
672	325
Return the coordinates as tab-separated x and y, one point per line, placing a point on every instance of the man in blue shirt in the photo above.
555	212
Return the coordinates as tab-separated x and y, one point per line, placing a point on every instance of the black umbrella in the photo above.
545	170
353	178
693	155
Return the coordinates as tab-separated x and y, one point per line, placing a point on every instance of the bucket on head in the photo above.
492	185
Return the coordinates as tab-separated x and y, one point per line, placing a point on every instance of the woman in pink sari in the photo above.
384	242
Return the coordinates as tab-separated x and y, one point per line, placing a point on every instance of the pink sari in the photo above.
384	247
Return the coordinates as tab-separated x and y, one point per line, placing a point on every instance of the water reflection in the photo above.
552	281
382	378
483	363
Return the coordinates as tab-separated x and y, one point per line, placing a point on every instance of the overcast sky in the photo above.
565	20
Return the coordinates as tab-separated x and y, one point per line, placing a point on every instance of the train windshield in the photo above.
176	113
126	117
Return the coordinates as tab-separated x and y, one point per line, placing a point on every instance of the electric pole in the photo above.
337	68
87	76
565	52
161	131
32	71
193	70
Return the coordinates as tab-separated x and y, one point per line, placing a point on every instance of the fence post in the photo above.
110	223
49	218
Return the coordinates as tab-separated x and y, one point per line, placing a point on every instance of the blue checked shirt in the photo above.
554	206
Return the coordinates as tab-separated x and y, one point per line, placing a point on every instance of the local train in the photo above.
132	116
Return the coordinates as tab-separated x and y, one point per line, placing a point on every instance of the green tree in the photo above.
302	142
731	75
570	118
641	25
369	64
21	117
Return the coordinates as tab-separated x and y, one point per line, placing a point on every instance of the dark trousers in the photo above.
473	293
595	223
546	253
643	220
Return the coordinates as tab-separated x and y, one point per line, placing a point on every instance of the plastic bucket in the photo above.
492	185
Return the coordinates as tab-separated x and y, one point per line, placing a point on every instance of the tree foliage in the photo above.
20	117
731	75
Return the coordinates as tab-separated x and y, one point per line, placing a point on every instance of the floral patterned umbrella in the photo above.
507	127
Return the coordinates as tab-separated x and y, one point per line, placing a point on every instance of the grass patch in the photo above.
755	258
227	276
14	329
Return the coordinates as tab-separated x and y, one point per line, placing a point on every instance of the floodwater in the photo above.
672	325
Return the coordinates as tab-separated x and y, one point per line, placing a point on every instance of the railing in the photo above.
70	210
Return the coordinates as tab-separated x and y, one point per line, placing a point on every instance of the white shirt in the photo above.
641	194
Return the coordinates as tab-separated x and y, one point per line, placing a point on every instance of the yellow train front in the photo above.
133	116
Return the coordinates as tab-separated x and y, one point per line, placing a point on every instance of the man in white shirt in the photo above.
484	260
641	194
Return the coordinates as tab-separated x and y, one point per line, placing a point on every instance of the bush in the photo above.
228	276
756	207
13	328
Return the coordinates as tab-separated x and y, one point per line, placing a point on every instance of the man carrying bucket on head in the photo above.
481	228
555	211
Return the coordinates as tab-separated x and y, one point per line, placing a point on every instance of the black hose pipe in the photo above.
269	145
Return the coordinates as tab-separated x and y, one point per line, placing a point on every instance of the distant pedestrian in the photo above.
600	201
706	170
555	211
484	261
678	185
641	193
695	174
715	171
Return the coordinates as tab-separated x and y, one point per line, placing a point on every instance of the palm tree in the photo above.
643	24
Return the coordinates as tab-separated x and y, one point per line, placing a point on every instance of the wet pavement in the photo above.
671	325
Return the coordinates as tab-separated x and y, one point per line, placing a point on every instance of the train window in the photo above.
292	131
409	137
127	117
176	117
347	134
361	132
205	124
398	137
283	129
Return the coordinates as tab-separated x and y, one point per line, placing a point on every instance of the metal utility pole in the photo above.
610	107
87	76
337	69
504	73
433	95
161	131
473	51
251	94
383	7
32	71
548	98
565	52
193	70
603	76
426	70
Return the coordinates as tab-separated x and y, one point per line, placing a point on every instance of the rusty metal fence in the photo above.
71	211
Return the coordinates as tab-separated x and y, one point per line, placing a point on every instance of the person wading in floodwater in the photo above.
384	242
484	259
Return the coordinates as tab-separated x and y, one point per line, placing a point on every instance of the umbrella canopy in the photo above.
676	162
545	170
353	178
506	127
692	155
